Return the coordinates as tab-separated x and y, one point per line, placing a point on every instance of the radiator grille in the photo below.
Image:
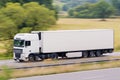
18	52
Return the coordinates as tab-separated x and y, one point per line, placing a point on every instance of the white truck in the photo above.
40	45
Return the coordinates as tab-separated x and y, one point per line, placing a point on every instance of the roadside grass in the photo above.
78	24
2	47
3	57
63	69
5	74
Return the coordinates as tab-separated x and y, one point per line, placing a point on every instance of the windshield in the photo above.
19	43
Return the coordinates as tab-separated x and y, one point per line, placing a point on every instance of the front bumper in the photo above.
20	57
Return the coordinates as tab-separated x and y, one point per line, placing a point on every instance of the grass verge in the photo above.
3	57
5	74
64	69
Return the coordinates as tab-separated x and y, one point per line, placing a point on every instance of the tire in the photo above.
54	56
42	57
31	58
63	55
91	54
98	53
110	51
84	54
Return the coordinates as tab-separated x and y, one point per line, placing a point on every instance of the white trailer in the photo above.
54	44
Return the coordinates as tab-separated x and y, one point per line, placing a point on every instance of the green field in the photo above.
78	24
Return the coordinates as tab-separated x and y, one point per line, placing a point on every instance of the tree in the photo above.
47	3
20	18
7	27
83	11
14	11
103	9
42	19
116	4
3	2
65	8
71	12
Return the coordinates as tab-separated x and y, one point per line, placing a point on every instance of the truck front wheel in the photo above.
31	57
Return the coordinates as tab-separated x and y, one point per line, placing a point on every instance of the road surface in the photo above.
13	64
103	74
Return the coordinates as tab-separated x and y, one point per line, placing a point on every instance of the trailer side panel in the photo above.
76	40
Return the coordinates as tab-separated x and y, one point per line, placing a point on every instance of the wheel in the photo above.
98	54
91	54
110	51
85	54
63	55
54	56
31	57
42	57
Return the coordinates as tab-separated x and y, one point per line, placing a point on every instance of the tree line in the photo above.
65	5
101	9
72	3
47	3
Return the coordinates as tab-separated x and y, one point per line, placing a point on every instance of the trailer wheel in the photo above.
110	51
31	57
98	54
85	54
63	55
54	56
91	54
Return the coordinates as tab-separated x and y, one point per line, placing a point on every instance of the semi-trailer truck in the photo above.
40	45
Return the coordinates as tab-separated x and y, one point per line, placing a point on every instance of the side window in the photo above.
27	43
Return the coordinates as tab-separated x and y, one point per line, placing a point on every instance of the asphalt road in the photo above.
13	64
103	74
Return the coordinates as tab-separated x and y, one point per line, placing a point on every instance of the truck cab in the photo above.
24	45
